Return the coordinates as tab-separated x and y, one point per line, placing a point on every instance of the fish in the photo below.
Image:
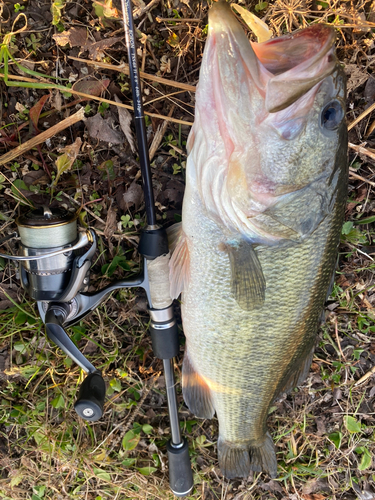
255	253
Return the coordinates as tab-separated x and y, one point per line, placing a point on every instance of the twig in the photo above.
159	135
139	12
365	376
359	177
362	150
85	208
124	68
362	115
47	134
177	20
101	99
338	340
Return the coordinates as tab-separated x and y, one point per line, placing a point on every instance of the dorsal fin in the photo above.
179	265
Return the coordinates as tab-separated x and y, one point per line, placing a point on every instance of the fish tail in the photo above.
238	461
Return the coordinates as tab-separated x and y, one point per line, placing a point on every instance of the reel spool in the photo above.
44	231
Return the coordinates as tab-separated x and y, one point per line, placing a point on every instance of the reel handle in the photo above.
90	402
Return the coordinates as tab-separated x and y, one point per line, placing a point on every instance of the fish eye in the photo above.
332	115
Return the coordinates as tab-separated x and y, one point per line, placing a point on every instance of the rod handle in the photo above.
180	473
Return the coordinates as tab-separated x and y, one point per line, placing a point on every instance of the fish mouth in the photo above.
283	69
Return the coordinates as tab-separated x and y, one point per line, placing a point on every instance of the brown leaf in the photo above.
98	128
95	49
273	486
314	496
125	120
36	110
110	225
92	87
133	196
75	37
315	486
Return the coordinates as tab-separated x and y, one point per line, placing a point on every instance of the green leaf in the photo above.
357	353
39	490
147	429
17	185
367	220
336	438
366	460
261	6
21	318
347	227
102	474
20	347
128	462
352	424
116	385
201	439
146	471
130	440
58	402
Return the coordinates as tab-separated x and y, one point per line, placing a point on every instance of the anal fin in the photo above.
248	282
195	391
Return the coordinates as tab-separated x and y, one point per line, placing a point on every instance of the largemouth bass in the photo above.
266	184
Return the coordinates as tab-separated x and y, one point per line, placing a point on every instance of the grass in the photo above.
324	431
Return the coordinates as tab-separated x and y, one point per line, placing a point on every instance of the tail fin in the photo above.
238	461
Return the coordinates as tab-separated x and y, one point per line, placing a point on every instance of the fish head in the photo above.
269	119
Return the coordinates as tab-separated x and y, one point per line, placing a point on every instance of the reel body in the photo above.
42	232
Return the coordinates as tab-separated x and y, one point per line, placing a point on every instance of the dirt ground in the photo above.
325	430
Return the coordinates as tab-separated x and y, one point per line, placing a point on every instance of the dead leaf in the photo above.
96	49
98	128
111	224
36	110
369	92
273	486
75	37
92	87
66	160
321	426
315	486
356	76
314	496
132	197
125	120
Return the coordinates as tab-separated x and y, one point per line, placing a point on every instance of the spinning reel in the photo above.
55	271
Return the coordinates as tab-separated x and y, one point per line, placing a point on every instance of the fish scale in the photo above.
261	222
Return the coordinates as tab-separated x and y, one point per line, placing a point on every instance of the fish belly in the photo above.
238	361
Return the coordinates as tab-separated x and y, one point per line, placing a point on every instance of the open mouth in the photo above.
283	69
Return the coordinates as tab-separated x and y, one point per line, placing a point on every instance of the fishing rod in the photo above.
153	246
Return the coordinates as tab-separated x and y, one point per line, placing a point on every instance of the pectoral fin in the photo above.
248	282
179	265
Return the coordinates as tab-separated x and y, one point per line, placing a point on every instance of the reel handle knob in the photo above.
90	402
180	473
